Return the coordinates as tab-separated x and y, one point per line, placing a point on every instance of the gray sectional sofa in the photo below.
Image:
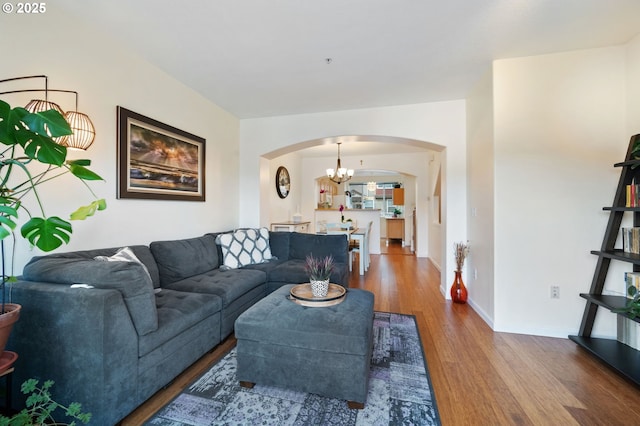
112	333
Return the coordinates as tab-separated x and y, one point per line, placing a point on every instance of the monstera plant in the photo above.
27	143
29	157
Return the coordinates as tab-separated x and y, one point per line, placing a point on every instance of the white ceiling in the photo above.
257	58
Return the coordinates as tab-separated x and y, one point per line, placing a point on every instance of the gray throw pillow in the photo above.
180	259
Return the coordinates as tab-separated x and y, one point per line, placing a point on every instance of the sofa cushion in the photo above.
245	247
279	242
129	278
177	312
294	272
266	267
229	285
179	259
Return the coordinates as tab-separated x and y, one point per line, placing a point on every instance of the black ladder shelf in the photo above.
619	356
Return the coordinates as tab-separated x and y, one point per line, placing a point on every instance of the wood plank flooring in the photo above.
479	377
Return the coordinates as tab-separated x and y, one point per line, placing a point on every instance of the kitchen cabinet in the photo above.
395	229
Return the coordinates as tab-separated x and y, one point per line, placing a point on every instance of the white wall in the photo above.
480	180
559	127
283	209
106	75
441	123
633	86
435	227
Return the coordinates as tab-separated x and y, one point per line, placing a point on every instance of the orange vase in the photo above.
458	290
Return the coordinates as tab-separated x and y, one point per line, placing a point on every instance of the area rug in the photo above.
400	391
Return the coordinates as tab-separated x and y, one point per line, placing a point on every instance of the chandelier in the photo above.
83	131
339	174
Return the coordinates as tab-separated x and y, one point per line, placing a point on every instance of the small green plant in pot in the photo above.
40	408
319	272
632	308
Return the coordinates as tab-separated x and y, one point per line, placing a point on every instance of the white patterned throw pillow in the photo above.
125	254
244	247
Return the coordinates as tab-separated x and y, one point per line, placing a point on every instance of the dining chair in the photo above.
362	251
321	227
336	229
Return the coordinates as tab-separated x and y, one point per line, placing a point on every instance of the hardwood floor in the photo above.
479	377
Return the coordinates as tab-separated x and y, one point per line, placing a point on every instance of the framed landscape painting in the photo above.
157	161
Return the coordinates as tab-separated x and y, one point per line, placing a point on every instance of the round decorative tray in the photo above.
302	295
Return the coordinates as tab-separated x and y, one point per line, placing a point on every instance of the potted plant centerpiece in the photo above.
319	271
30	157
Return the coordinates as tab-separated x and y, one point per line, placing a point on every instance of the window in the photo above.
381	198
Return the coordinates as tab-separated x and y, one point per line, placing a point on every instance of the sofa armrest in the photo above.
83	339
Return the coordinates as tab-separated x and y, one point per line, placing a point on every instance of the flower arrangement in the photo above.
341	213
461	250
319	269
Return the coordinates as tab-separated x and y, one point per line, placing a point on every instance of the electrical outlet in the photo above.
555	292
475	273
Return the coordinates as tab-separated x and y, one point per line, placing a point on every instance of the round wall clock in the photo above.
283	182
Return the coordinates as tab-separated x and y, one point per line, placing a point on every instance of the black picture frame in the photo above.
283	182
158	161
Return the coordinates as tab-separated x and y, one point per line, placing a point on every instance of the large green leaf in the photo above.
8	211
85	211
47	234
50	123
6	226
78	170
33	131
5	110
42	148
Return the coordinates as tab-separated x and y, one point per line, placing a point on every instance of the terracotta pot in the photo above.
10	316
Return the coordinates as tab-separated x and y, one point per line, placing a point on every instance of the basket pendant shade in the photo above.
39	105
83	131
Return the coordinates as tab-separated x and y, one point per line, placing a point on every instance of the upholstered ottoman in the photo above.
321	350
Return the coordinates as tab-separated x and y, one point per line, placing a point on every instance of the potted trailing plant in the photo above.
632	308
29	157
319	271
41	407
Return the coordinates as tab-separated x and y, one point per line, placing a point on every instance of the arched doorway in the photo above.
307	160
